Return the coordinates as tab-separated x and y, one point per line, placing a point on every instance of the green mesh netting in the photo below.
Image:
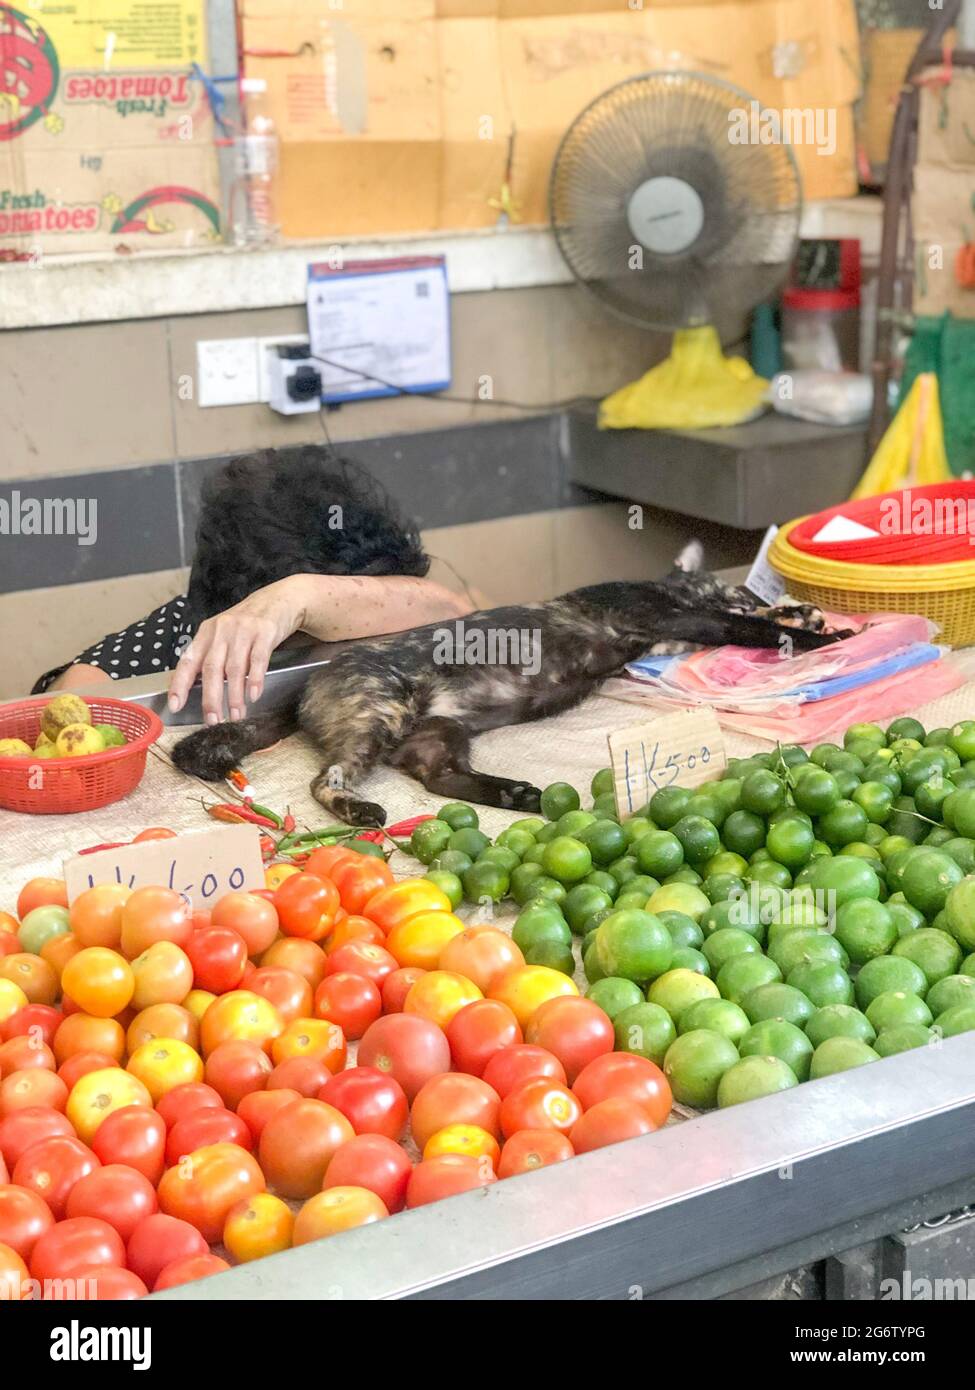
946	346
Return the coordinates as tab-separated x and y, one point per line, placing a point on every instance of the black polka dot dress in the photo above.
152	644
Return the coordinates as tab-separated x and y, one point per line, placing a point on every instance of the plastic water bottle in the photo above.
253	201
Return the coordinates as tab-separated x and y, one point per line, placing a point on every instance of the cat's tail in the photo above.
214	752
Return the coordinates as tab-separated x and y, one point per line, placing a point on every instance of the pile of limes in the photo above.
808	913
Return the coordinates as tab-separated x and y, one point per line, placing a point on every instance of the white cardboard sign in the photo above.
683	749
202	865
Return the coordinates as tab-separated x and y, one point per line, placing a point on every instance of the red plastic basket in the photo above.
56	786
931	527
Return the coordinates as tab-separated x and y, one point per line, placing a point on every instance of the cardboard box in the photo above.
942	208
112	144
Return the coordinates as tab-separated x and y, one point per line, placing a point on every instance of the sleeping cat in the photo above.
413	701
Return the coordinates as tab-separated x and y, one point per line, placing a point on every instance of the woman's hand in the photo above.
236	647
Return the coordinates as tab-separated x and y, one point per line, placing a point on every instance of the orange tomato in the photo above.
438	995
33	974
8	922
163	975
421	939
311	1037
59	950
483	954
162	1021
207	1184
198	1001
12	998
27	1090
325	858
81	1064
303	957
23	1052
257	1226
275	875
154	832
352	928
454	1099
252	917
527	986
298	1143
395	903
360	878
83	1033
337	1209
15	1281
289	992
154	914
38	892
463	1139
240	1015
99	1094
306	906
163	1064
96	914
99	981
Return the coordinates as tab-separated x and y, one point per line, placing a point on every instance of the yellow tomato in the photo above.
198	1001
257	1226
528	986
163	975
275	875
164	1063
311	1037
463	1139
12	998
439	994
99	981
398	901
337	1209
419	940
98	1094
34	975
240	1016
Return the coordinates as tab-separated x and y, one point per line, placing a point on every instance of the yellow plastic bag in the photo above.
913	449
697	387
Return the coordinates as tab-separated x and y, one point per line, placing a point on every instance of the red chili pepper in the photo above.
376	836
93	849
288	823
241	813
227	813
404	828
268	846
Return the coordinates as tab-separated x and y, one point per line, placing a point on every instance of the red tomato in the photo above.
15	1284
81	1064
110	1282
154	914
513	1066
446	1176
306	906
289	992
205	1127
22	1129
305	958
189	1270
454	1099
394	904
218	956
529	1149
38	1021
351	1001
20	1054
257	1108
540	1104
480	1030
114	1193
207	1183
610	1122
159	1240
252	916
38	892
625	1076
359	878
234	1069
298	1143
135	1137
397	986
52	1167
349	929
407	1047
574	1030
185	1100
321	861
482	954
372	1101
24	1217
374	1162
305	1075
34	1087
361	958
9	944
74	1244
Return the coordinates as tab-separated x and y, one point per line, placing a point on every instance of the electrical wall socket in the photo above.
265	347
227	371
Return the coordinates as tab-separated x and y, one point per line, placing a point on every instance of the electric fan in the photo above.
668	207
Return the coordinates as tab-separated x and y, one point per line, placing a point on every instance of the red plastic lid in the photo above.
821	301
931	525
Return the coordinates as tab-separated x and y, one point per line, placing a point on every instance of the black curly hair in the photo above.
303	510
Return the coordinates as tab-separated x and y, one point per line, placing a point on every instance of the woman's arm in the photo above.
79	676
236	646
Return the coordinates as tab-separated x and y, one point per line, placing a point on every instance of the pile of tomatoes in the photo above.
177	1083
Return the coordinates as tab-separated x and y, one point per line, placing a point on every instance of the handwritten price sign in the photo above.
203	866
685	749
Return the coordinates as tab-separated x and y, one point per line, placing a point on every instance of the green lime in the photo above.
684	931
885	775
532	824
875	801
931	795
960	913
743	832
523	880
937	738
892	845
452	861
540	922
590	964
865	929
685	874
698	837
752	1078
485	880
566	859
449	884
623	868
633	944
641	883
904	819
581	902
469	840
961	738
934	952
687	958
773	1037
790	842
846	821
548	832
668	805
888	973
823	982
521	841
558	798
839	1054
903	1038
679	897
799	909
927	878
613	995
962	852
602	783
429	839
894	1007
733	912
634	828
743	973
799	945
676	990
949	991
605	841
553	955
762	792
458	815
534	855
695	1064
573	821
777	1000
547	889
769	871
706	803
499	854
839	1021
841	879
722	945
905	727
718	1015
725	862
960	1018
626	897
906	918
723	887
599	878
659	853
646	1030
816	792
604	807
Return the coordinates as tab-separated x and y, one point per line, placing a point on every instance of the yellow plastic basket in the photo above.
943	593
